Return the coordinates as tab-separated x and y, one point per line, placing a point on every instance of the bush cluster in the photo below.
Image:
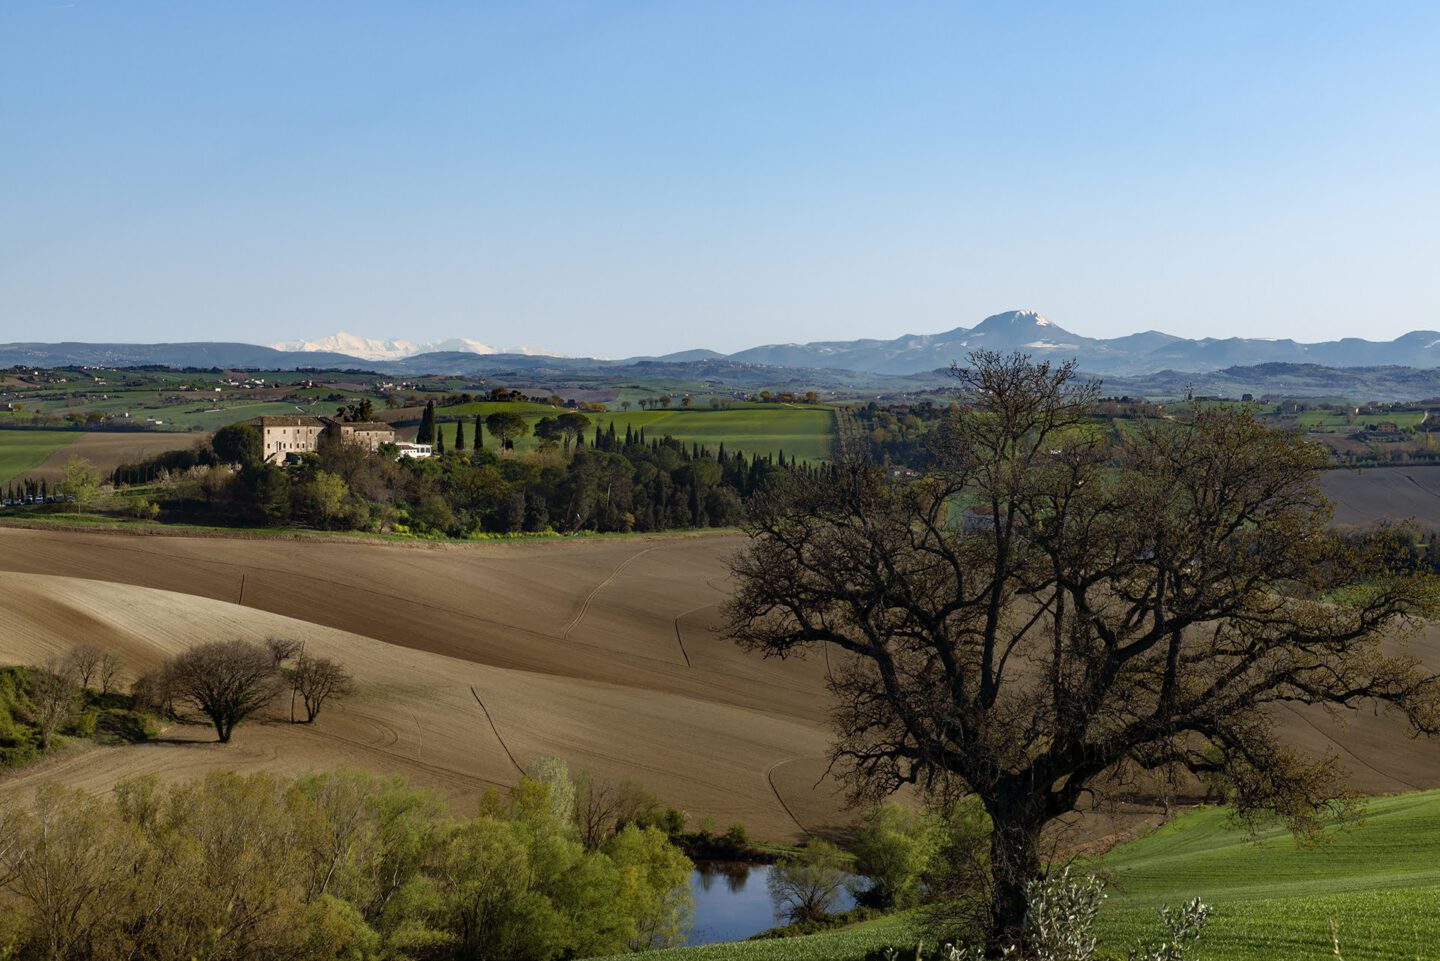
337	865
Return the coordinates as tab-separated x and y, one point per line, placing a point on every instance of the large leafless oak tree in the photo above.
1062	604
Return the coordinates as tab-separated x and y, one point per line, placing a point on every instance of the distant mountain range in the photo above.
1147	352
1026	330
367	348
1132	356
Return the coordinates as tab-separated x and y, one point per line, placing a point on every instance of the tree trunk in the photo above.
1014	863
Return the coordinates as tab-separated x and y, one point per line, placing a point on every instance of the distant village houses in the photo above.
283	436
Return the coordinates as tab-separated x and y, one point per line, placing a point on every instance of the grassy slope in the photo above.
23	450
1336	420
1379	880
1273	899
199	415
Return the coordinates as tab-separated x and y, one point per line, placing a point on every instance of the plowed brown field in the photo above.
600	651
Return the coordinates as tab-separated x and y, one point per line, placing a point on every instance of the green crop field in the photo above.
806	432
23	450
200	416
1337	420
848	944
485	408
1273	900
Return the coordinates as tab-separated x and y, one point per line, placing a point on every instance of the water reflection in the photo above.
739	905
734	873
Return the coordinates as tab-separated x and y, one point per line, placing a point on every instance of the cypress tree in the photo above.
439	440
459	435
426	433
479	433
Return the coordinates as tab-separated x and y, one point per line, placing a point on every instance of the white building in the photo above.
282	436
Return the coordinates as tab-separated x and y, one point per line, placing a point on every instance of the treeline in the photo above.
893	433
328	866
609	482
1402	547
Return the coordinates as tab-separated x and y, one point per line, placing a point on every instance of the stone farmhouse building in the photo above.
282	436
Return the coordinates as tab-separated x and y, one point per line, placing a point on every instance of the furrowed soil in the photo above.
574	648
473	660
1376	494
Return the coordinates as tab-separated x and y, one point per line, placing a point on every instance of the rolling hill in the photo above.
604	651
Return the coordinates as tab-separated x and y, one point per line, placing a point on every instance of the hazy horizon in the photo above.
624	179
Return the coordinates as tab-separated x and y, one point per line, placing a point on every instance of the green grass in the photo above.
1336	420
199	416
848	944
487	407
1273	899
24	450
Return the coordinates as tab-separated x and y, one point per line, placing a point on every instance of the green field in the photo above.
1273	900
200	416
23	450
485	408
806	432
1338	420
849	944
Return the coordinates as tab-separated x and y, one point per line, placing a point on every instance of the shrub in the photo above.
893	849
737	838
338	865
82	724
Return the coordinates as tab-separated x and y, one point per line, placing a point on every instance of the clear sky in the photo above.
613	178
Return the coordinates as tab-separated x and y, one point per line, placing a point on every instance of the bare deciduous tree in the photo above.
282	648
597	810
316	680
55	695
228	681
155	689
111	663
1059	606
83	662
804	886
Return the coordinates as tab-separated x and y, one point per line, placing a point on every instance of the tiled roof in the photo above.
290	421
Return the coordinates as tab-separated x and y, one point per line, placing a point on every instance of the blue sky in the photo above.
616	178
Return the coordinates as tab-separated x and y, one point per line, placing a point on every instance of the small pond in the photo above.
732	901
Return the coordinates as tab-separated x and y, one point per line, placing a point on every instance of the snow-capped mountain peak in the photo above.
369	348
